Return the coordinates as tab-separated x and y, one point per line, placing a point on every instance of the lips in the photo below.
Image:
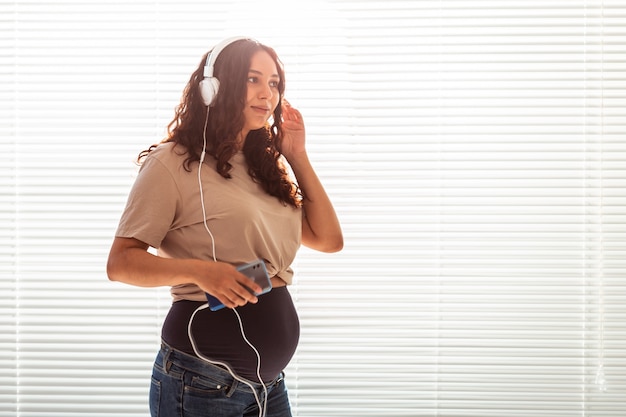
261	109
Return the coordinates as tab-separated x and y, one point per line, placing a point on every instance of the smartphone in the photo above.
255	270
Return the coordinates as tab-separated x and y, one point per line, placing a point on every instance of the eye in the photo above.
274	84
253	80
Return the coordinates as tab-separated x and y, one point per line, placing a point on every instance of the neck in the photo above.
241	138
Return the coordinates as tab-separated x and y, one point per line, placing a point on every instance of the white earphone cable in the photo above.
262	407
202	155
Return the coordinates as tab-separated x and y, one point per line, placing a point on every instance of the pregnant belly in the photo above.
271	325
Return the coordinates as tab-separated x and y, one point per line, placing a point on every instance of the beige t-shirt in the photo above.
165	212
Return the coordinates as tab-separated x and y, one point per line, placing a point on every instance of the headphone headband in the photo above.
215	52
210	85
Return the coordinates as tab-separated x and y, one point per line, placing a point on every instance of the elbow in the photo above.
112	271
323	236
116	265
337	245
332	245
120	256
328	242
326	245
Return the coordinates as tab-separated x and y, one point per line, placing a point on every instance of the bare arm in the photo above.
130	262
320	227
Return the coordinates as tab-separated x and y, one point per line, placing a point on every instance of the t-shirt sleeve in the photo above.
152	204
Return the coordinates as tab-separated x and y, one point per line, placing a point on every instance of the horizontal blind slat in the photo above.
475	156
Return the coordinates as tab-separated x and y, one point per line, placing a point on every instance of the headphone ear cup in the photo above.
208	90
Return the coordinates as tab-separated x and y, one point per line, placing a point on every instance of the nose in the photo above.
265	92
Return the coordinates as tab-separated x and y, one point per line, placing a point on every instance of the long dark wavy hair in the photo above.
262	147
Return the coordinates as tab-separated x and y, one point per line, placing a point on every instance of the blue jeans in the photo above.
185	386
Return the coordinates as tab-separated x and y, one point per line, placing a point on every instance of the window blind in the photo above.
476	155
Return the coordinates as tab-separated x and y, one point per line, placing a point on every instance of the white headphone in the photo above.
210	85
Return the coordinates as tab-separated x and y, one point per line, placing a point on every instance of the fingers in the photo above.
239	299
289	112
240	293
250	286
230	286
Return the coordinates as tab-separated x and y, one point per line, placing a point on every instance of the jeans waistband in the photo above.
169	356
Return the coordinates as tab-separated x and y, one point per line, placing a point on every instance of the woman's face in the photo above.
263	95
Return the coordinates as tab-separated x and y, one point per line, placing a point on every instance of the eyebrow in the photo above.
260	73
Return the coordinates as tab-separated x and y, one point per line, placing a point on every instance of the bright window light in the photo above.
475	152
